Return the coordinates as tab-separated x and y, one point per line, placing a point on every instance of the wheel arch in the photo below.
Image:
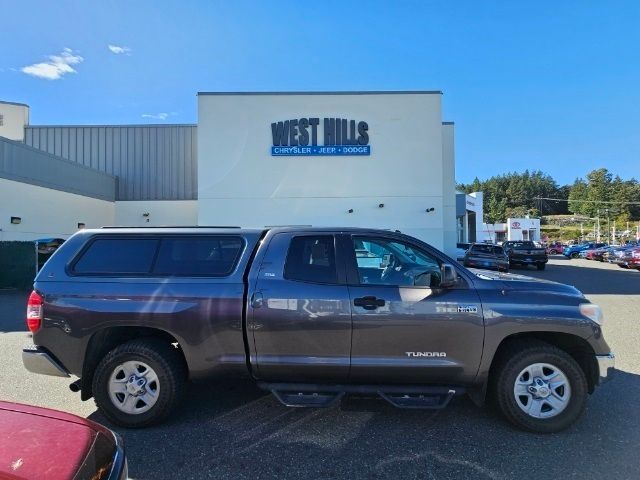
106	339
577	347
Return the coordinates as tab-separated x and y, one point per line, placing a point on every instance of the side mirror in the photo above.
449	275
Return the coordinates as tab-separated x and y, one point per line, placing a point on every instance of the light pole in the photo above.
606	210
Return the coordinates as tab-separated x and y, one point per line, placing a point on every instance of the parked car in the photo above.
554	248
635	259
592	254
311	314
627	258
602	254
621	257
482	255
39	443
573	251
461	249
525	253
611	253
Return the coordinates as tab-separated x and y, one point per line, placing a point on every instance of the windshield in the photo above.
522	245
487	249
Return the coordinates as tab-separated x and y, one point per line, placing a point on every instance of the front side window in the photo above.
117	256
383	261
311	259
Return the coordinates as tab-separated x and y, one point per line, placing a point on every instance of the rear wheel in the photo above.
139	382
574	255
541	266
540	388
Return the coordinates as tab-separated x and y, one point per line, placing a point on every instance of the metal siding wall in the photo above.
153	162
29	165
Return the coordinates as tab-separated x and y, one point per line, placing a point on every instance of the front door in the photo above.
299	312
406	328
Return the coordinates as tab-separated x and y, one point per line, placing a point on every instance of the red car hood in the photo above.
42	443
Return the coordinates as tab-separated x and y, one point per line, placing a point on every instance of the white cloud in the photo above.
56	67
119	50
156	116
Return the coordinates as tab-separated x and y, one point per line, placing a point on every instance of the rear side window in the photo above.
312	259
129	256
212	256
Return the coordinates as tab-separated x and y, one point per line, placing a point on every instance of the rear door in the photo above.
406	328
299	314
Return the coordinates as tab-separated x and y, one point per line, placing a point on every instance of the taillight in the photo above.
34	312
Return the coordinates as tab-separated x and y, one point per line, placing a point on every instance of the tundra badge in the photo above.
467	309
426	354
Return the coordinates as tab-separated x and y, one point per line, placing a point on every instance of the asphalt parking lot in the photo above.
230	429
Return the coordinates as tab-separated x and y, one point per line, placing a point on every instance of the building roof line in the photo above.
128	125
14	103
370	92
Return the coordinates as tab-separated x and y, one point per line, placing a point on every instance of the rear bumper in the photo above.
38	360
532	261
606	366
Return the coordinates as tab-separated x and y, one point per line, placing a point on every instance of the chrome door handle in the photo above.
369	302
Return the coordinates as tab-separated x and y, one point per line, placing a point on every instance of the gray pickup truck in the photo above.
525	253
311	314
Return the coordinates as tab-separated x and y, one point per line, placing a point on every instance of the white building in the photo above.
469	217
14	117
392	167
371	159
514	229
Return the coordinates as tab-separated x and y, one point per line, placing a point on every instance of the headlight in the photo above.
592	312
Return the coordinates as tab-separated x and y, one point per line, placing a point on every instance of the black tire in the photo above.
517	357
541	266
163	358
574	255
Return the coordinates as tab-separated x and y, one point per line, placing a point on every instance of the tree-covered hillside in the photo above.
537	193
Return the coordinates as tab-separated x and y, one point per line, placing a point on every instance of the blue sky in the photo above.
540	85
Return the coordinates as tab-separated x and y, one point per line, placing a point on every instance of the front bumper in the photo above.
606	366
38	360
120	468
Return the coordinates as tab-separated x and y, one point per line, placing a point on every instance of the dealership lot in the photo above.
230	429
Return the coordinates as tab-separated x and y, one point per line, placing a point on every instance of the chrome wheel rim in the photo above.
134	387
542	390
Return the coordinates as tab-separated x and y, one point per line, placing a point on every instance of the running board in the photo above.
426	401
300	399
400	396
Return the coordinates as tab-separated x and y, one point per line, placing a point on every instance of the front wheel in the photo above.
575	255
540	388
138	383
541	266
